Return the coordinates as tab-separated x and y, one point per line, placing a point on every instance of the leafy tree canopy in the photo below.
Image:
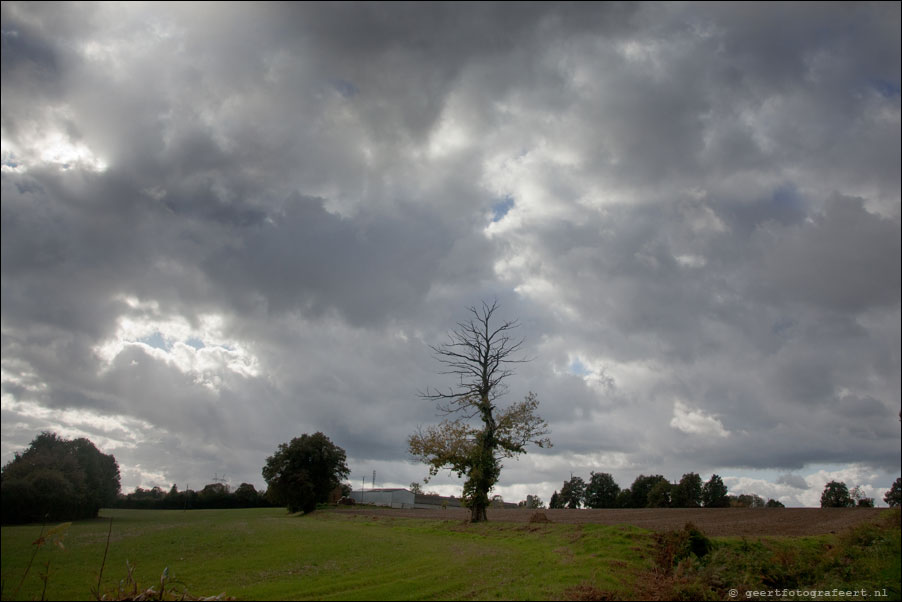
640	489
303	472
836	495
688	492
714	493
602	491
58	479
573	492
661	495
893	497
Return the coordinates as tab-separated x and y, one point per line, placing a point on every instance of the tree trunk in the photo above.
477	514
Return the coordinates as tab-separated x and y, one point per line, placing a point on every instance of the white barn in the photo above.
392	498
402	498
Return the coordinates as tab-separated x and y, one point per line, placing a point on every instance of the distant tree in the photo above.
772	503
415	488
246	496
214	495
624	499
57	479
573	492
533	502
302	473
601	491
893	496
175	499
836	495
555	501
688	492
660	495
860	498
480	353
640	489
714	493
746	500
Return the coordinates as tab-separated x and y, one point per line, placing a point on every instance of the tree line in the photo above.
57	480
649	491
655	491
214	495
837	495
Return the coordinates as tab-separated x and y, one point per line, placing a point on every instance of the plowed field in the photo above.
713	521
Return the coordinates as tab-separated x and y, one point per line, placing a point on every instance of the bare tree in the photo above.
480	353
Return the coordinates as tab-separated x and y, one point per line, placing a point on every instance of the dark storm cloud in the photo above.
831	262
223	228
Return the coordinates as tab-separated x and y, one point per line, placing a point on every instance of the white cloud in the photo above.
696	422
657	193
202	349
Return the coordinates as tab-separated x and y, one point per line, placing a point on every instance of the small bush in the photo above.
699	544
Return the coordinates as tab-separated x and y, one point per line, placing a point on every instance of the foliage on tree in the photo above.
415	488
893	496
624	498
772	503
746	500
836	495
573	492
860	498
247	496
640	489
303	472
601	491
688	492
532	502
555	502
661	495
214	495
714	493
59	480
480	353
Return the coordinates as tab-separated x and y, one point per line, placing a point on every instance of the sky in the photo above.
226	225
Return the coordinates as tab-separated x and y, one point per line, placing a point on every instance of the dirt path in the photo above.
713	521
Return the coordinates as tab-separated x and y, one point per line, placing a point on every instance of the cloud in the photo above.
222	229
694	422
792	480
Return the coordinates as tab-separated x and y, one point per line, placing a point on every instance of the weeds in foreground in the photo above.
53	537
127	589
169	589
688	566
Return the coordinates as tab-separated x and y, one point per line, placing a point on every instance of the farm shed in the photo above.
393	498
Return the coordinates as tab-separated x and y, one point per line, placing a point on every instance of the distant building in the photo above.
391	498
404	498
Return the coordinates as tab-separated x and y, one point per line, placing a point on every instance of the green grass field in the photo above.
258	554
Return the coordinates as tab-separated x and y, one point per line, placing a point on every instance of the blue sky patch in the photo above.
157	341
501	208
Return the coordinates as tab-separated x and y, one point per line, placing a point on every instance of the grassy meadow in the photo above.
258	554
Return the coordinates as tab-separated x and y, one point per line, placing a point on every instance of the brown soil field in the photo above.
713	521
